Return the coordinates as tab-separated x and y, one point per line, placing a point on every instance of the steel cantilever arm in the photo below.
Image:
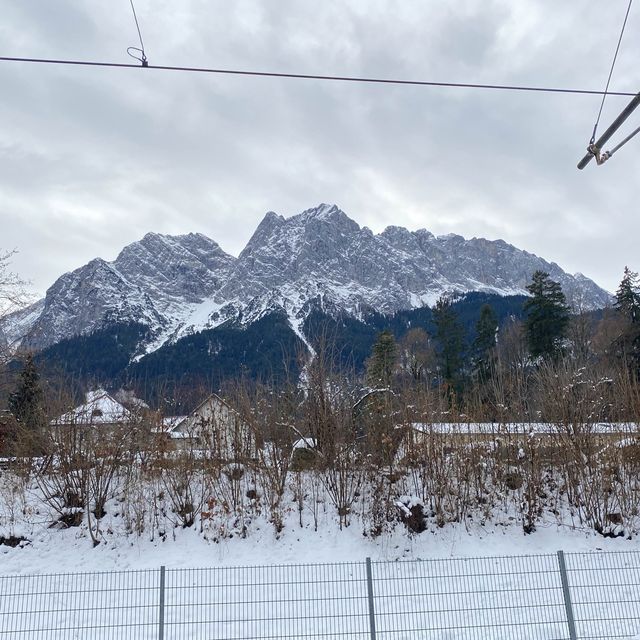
615	125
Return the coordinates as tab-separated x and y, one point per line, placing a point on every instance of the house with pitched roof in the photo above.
217	427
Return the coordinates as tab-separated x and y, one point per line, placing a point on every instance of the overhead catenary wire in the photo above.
143	59
594	150
309	76
613	64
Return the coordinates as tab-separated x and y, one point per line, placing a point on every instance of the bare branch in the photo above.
13	293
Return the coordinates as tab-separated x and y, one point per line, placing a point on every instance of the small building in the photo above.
99	410
217	427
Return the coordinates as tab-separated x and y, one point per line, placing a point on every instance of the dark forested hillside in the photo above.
267	350
99	357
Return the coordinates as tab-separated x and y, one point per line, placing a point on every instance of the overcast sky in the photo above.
92	159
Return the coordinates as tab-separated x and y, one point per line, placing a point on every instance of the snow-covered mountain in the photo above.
181	284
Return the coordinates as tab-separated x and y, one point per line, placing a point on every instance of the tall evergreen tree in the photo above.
450	336
628	296
547	316
485	341
628	305
26	402
382	362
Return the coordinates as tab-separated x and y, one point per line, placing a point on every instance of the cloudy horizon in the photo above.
92	159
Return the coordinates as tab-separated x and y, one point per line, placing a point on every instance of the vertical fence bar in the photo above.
161	608
372	610
567	596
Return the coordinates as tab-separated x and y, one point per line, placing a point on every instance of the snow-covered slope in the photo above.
181	284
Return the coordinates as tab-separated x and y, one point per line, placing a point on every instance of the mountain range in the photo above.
319	259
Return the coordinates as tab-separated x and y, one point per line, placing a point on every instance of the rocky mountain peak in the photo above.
264	231
329	214
181	284
187	268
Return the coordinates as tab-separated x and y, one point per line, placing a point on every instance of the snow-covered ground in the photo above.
53	551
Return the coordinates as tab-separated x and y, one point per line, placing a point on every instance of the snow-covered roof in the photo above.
168	424
172	421
99	408
491	428
305	443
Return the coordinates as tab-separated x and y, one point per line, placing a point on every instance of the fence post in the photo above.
161	609
567	596
372	611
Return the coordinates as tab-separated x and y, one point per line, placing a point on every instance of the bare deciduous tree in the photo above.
12	286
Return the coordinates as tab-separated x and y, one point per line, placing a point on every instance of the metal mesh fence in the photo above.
290	601
544	597
113	605
605	592
510	597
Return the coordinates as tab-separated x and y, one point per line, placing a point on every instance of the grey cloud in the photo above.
104	156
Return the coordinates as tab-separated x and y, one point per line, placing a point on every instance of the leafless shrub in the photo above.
182	479
272	419
343	479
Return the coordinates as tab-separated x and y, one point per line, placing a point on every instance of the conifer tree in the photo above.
485	341
628	296
382	362
628	305
26	402
547	316
450	336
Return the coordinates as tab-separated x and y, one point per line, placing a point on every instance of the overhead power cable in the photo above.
309	76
